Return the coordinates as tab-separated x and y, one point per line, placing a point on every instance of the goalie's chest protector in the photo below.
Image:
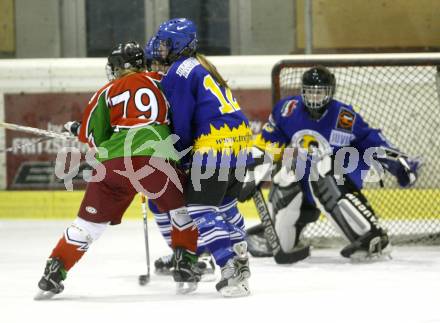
335	129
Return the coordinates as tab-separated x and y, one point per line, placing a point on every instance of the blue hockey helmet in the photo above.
175	37
148	50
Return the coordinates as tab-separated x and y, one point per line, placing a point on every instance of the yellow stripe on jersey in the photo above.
225	140
273	148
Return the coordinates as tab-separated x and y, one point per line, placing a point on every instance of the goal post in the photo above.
398	93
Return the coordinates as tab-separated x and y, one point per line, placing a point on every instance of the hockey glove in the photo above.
72	127
407	172
255	175
400	165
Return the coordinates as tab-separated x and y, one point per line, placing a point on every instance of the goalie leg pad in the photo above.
280	197
345	206
287	206
285	223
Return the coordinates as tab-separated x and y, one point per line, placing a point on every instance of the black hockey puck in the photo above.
143	280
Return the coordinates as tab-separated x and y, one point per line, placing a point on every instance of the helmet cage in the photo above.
316	96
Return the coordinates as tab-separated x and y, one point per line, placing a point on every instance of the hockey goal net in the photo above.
400	95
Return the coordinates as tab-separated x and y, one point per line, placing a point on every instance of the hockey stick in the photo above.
280	256
144	279
37	131
28	144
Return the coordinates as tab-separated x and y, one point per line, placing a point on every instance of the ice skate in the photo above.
164	265
369	247
242	258
186	272
52	281
207	267
235	274
232	282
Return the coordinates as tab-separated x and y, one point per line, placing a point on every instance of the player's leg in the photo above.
163	265
203	206
163	222
166	192
350	211
234	219
291	213
70	248
235	222
101	205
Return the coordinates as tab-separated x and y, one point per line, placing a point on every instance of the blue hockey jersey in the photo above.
340	126
205	115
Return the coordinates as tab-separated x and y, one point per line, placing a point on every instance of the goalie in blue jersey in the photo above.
331	149
216	136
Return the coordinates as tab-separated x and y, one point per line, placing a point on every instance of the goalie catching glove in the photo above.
400	165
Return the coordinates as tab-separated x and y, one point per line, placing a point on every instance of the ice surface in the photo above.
103	286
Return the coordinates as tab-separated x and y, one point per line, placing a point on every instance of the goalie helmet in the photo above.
317	89
175	37
124	56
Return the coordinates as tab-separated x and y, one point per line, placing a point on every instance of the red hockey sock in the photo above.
68	253
186	238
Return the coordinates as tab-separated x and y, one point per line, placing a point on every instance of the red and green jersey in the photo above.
133	102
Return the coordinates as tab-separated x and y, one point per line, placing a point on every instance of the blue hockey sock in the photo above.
214	231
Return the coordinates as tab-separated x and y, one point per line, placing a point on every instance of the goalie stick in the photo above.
144	279
272	238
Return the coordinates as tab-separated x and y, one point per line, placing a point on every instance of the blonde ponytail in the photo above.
211	69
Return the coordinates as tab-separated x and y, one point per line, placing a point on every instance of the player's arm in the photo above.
95	127
399	164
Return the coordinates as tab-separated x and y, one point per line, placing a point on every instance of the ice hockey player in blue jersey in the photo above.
210	125
333	148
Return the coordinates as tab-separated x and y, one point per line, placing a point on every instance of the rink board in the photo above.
418	203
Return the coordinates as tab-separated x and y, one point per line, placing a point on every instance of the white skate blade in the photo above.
183	288
239	290
43	295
